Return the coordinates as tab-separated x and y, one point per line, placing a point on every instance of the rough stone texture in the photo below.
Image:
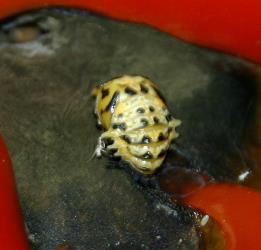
46	119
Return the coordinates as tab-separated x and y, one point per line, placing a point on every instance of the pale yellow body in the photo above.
137	124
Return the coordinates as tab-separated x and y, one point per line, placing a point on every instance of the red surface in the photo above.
232	26
12	234
237	210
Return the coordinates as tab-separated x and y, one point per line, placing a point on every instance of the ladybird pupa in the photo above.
137	124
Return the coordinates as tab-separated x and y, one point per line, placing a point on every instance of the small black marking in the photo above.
120	115
144	122
160	95
161	137
140	110
112	151
152	109
162	153
107	141
143	89
145	139
126	138
121	126
148	155
170	130
105	92
112	104
130	91
156	119
168	117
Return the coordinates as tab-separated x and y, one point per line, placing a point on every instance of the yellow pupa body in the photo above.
136	122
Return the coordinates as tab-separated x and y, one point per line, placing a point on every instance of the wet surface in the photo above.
47	73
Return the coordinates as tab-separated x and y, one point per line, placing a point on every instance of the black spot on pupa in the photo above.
130	91
152	109
169	117
156	120
126	138
162	153
145	139
143	89
148	155
107	141
161	137
112	151
120	115
140	110
111	105
105	92
121	126
144	122
170	130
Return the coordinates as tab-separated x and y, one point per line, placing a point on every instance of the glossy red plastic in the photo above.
232	26
237	211
12	233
